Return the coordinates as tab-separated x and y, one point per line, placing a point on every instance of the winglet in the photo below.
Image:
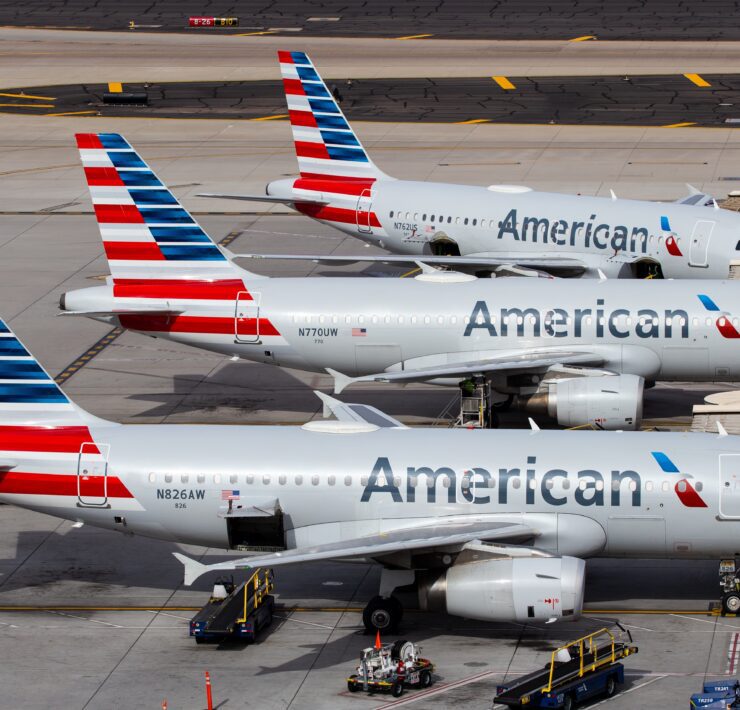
602	275
341	382
193	568
328	402
533	424
720	429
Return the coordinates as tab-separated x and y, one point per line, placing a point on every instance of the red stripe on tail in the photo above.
67	439
293	87
302	118
285	57
53	484
118	214
133	251
103	177
88	140
304	149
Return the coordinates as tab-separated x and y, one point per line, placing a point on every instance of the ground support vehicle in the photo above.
391	668
236	612
717	695
581	669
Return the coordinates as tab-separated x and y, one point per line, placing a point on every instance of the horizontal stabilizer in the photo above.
521	362
424	537
264	198
146	309
550	264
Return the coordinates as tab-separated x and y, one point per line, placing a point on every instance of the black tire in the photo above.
382	615
425	679
397	689
396	649
611	686
731	603
352	686
569	703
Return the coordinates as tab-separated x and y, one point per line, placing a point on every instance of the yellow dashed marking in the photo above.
30	105
503	82
71	113
474	120
94	350
28	96
679	125
696	79
115	87
255	34
584	38
270	118
415	37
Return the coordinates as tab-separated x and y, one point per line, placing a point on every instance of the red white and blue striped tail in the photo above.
28	394
146	232
325	144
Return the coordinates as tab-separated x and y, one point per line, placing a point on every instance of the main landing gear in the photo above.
382	614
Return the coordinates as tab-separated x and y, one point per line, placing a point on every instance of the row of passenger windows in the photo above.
494	224
511	319
315	480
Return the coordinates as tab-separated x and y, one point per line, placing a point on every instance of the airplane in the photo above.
504	229
489	525
580	351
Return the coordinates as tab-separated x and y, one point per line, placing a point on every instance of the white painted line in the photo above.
307	623
704	621
439	689
82	618
732	654
629	690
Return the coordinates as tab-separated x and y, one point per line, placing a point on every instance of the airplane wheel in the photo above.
731	603
382	614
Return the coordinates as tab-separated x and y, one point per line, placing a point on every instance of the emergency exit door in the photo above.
364	206
729	486
92	475
247	317
700	242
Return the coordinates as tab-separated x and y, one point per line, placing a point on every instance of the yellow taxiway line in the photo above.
696	79
29	96
276	117
584	38
415	37
679	125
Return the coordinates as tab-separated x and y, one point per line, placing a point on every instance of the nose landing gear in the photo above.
382	614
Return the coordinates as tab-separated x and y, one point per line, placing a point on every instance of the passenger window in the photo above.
414	320
332	480
397	481
427	320
649	486
599	485
314	480
168	478
364	480
449	219
360	319
391	213
152	477
416	215
424	217
440	320
201	478
516	483
387	319
348	480
374	320
566	484
249	479
549	483
184	478
457	220
233	478
348	319
282	479
299	480
266	480
475	222
217	478
681	486
699	485
664	486
465	221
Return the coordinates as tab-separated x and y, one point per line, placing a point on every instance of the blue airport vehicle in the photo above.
236	612
717	695
580	670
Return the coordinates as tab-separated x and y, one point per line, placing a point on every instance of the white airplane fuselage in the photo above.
659	330
586	493
412	217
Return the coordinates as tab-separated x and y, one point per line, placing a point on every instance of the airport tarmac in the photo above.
92	619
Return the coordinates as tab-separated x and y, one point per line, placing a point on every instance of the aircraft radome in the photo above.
488	525
579	350
500	228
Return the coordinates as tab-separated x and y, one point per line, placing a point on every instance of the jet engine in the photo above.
604	401
523	589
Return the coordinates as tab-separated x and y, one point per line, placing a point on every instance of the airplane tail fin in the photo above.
326	145
150	239
30	399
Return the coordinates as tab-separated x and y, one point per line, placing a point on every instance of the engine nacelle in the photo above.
604	401
520	589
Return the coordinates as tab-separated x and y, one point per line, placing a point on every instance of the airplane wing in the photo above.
265	198
696	197
348	412
553	264
425	537
533	360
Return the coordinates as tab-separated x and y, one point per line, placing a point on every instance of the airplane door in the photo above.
700	242
92	475
729	486
247	317
364	205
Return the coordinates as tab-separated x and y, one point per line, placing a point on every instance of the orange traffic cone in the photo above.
378	645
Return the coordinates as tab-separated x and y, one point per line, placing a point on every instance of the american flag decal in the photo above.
359	332
230	495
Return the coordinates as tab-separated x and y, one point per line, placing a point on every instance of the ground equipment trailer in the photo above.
581	669
717	695
236	612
